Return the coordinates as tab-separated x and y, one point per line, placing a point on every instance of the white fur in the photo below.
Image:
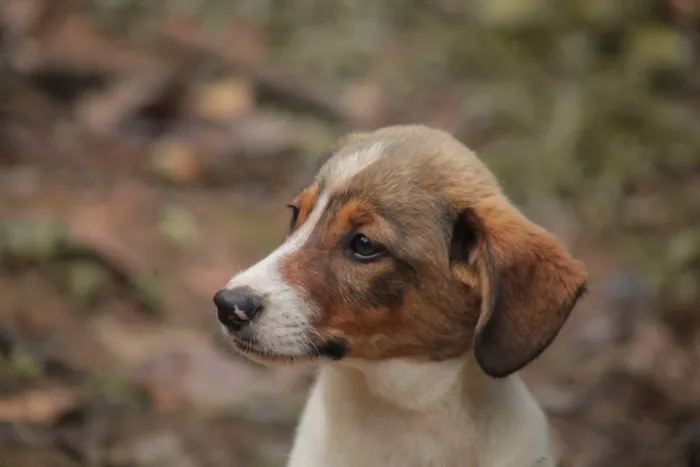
401	414
354	163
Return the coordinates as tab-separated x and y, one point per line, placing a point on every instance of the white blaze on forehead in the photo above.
354	163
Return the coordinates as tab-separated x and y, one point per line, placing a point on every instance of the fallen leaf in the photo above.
37	405
224	99
175	160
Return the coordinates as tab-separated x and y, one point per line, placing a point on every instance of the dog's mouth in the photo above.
333	348
253	351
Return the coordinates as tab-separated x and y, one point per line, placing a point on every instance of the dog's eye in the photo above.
363	249
295	215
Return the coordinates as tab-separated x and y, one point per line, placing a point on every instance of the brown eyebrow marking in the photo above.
353	213
305	202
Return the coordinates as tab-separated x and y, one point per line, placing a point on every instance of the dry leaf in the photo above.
175	160
224	99
37	405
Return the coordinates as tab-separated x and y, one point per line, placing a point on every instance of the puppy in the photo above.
421	291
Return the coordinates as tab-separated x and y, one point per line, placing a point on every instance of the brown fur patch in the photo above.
304	202
400	306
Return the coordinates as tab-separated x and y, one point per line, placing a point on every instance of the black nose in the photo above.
236	307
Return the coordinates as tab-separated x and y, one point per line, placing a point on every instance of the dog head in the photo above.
404	246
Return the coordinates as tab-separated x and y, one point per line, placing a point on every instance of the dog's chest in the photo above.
395	442
350	434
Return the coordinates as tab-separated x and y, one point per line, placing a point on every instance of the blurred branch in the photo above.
274	85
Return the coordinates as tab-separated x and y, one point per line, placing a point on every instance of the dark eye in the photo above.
295	216
364	249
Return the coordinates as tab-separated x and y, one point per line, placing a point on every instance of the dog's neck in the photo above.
411	385
452	409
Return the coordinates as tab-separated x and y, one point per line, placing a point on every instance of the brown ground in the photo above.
136	179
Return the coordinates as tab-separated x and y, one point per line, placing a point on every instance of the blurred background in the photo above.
147	150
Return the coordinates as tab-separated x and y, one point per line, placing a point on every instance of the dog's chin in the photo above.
332	349
267	357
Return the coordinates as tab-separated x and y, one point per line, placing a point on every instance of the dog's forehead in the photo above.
405	171
349	161
363	160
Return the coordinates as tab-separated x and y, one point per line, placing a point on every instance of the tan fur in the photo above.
470	292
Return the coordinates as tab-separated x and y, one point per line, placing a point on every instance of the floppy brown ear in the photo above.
529	285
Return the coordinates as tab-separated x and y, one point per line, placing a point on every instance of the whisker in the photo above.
310	340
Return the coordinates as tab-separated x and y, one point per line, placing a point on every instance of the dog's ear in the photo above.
529	284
